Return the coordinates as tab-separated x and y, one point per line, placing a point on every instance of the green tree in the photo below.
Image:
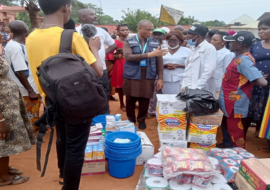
215	23
7	2
25	18
76	6
187	20
30	5
132	17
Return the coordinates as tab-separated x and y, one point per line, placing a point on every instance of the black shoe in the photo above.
221	145
142	125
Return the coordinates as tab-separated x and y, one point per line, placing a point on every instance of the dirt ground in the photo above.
26	162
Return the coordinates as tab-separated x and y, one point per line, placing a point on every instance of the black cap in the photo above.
245	37
199	30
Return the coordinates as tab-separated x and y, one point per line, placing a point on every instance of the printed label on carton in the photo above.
256	172
172	131
203	134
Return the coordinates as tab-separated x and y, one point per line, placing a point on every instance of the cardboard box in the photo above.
203	134
94	167
241	183
172	131
204	147
169	107
147	149
256	172
213	119
180	144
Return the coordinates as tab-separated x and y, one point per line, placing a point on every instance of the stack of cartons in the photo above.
202	130
172	123
254	174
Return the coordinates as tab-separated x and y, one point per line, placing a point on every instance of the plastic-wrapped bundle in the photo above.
177	161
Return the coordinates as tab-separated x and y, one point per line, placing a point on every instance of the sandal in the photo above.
14	171
17	180
113	99
123	109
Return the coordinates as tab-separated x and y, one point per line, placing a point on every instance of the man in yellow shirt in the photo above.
42	44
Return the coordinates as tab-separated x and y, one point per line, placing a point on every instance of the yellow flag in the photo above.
170	15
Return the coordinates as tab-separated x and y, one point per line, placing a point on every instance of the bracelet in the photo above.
2	120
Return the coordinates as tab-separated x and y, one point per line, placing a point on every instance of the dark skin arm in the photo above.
172	66
23	79
111	48
4	129
260	82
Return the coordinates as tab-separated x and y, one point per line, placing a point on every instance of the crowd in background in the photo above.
233	66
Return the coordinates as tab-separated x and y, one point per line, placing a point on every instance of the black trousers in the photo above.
70	145
131	106
105	81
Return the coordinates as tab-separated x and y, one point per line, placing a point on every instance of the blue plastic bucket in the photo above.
122	148
133	137
117	147
123	151
122	157
100	119
122	168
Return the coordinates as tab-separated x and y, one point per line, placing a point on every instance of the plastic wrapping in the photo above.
219	179
141	183
199	102
118	125
177	161
184	179
201	181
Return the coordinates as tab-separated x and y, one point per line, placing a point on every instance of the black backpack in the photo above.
74	92
71	84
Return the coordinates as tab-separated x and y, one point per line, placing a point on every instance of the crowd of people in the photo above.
233	66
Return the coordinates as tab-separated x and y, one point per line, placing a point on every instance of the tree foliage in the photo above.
132	17
187	20
31	6
215	23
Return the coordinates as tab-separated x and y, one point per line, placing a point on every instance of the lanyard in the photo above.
141	46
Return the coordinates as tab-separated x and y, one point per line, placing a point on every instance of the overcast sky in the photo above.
203	10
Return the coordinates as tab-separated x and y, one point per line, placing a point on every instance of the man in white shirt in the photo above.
16	56
201	63
88	16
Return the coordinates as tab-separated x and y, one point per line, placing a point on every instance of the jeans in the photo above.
70	145
105	81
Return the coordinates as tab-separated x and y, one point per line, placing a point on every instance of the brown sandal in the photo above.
14	171
16	180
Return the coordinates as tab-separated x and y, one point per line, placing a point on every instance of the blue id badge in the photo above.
143	63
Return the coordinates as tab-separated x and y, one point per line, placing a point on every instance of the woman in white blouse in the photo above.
174	63
224	57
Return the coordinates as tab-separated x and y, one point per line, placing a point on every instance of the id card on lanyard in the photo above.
143	62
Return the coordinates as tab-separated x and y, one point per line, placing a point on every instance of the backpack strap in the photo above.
66	41
47	119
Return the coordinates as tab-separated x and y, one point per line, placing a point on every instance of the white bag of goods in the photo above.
219	179
221	187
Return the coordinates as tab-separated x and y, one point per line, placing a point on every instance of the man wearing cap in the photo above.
159	34
201	63
166	29
240	76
